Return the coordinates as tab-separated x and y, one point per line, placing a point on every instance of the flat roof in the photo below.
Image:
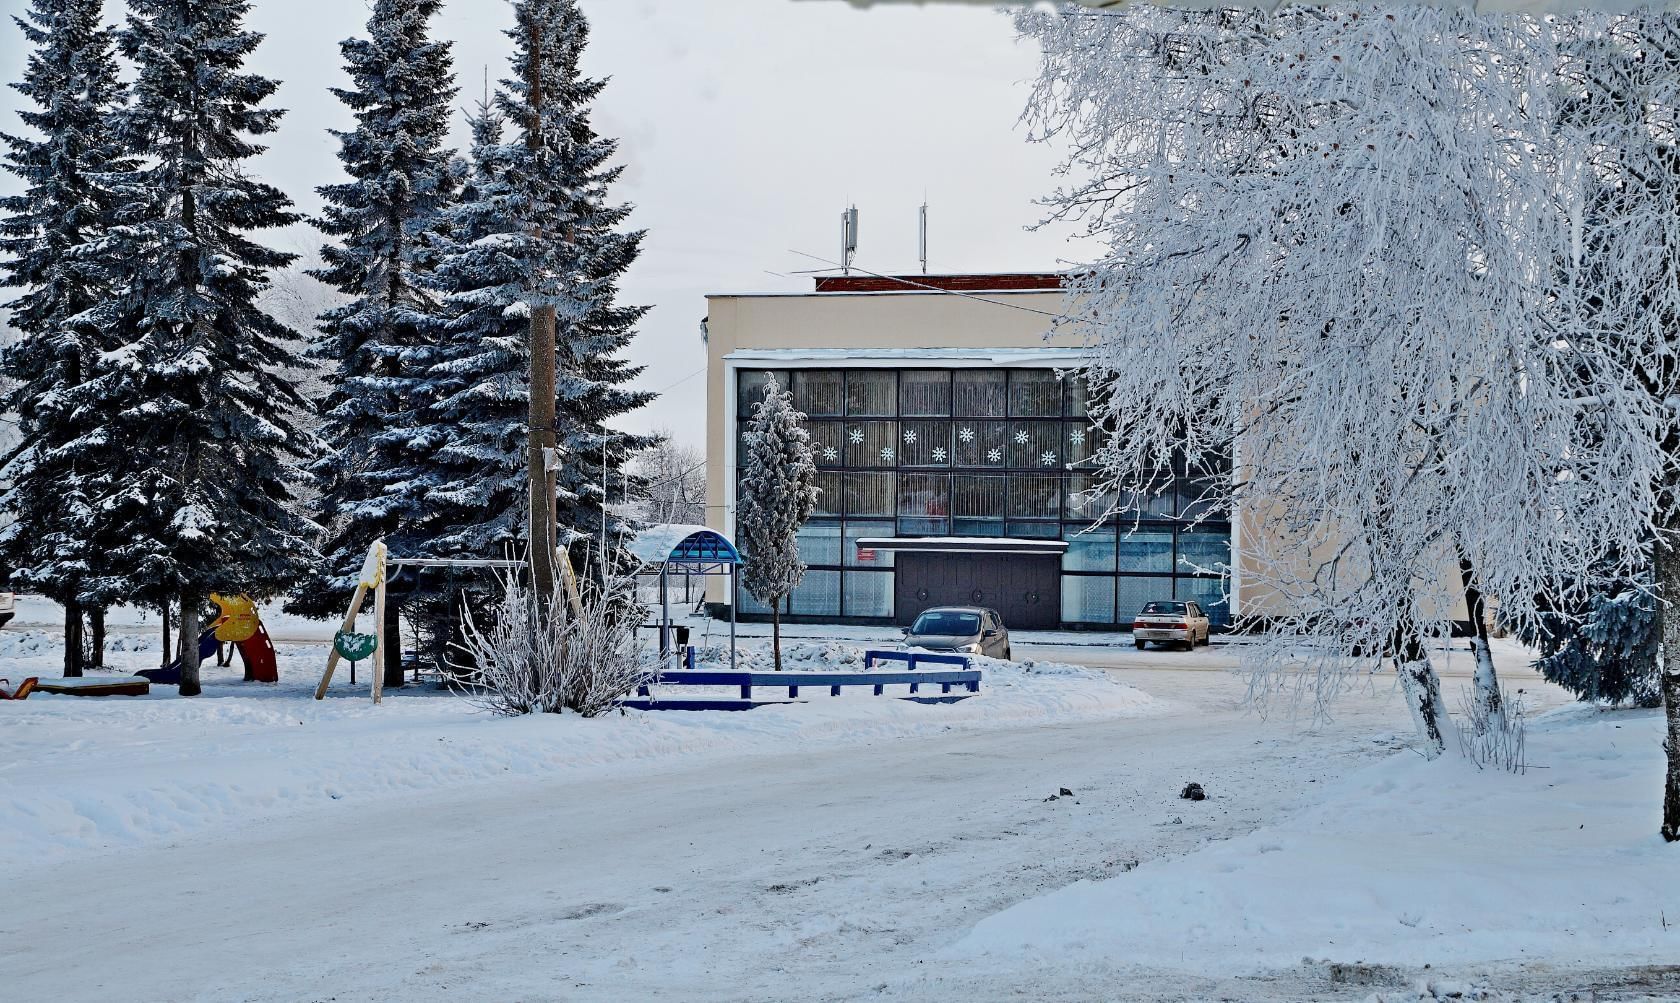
979	282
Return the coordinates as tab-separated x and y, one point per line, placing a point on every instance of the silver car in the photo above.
968	630
1170	622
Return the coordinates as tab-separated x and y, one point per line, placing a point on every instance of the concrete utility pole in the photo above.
539	423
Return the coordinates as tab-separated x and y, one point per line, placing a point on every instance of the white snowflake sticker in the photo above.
887	454
965	434
831	454
995	455
856	435
939	454
909	437
1047	458
1078	437
1021	437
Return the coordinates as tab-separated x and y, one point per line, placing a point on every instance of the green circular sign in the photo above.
354	646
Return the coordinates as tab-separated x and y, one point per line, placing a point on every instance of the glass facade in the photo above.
978	452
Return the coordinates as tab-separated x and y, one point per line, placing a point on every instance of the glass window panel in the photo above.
819	542
980	443
924	443
1199	499
872	392
871	444
924	526
981	393
750	604
1093	550
828	442
1209	593
819	392
1079	442
924	392
1035	393
828	493
1161	506
1074	395
924	495
1134	592
978	497
750	388
1036	444
1087	599
1087	500
1204	551
1145	549
976	527
861	530
869	494
817	595
1034	530
1035	496
869	594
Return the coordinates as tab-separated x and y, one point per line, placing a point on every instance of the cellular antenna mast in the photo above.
921	231
848	238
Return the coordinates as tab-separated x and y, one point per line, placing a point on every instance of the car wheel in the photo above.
1140	644
1006	655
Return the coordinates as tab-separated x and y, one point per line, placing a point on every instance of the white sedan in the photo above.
1169	622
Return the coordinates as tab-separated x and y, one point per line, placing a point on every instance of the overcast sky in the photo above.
746	126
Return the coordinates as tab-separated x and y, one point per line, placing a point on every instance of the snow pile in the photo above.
78	774
1406	863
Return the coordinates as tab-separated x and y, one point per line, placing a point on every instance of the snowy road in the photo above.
831	875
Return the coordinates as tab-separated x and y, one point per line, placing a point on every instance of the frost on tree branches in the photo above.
1338	258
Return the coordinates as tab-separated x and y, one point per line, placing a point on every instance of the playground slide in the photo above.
258	652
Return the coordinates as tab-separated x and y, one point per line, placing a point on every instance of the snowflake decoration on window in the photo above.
965	434
939	454
909	437
1047	458
994	455
887	455
1021	437
1078	437
831	454
856	435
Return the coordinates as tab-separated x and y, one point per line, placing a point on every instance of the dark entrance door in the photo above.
1025	588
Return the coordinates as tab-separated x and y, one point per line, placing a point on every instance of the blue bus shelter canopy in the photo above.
695	549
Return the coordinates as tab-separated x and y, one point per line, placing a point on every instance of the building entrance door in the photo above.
1026	589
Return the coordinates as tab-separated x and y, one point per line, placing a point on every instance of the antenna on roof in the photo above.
848	238
921	242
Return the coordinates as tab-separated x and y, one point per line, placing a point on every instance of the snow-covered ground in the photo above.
253	844
79	773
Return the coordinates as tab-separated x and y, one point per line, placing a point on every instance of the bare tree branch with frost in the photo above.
522	661
1334	244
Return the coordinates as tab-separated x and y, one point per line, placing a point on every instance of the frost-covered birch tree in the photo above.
778	494
1619	97
1332	245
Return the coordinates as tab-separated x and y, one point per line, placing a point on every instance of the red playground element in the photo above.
258	653
21	692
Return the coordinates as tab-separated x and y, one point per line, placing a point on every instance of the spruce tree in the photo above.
1606	650
778	493
372	477
70	78
190	417
565	233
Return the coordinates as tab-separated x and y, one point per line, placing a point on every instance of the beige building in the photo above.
953	452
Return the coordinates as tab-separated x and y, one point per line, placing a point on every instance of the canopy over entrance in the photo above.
687	549
698	550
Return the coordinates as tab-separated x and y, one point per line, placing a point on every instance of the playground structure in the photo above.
239	625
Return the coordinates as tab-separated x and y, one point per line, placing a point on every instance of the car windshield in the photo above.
1163	608
946	622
